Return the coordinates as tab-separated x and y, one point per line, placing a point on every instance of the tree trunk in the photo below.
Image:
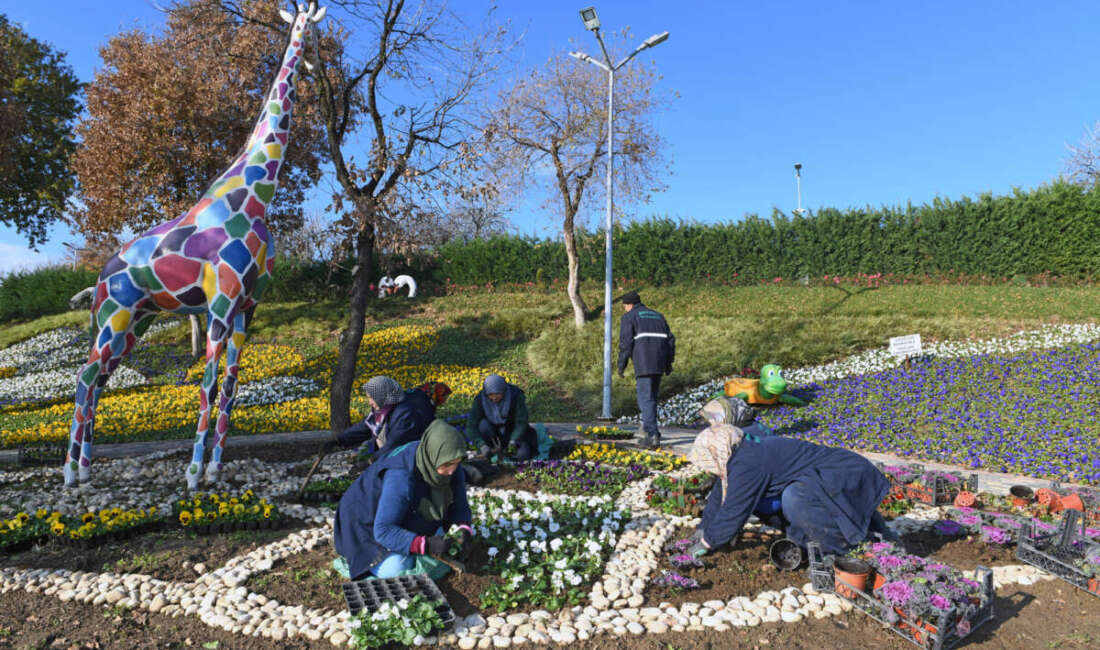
572	288
197	337
344	376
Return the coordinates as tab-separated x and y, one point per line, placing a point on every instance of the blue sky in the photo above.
881	102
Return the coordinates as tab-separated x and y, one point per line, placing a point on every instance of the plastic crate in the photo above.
942	491
41	455
368	595
1058	552
919	633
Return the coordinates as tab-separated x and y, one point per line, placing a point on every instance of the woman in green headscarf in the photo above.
396	512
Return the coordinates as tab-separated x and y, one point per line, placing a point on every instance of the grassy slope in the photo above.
718	330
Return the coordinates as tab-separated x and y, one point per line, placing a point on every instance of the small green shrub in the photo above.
30	294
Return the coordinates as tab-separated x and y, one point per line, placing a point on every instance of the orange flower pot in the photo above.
1072	502
879	580
1094	585
850	573
966	499
1046	496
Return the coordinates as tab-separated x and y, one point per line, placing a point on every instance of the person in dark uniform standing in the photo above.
645	339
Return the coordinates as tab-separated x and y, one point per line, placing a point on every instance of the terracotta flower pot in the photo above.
1046	496
1094	585
1072	502
1022	495
879	580
850	574
966	499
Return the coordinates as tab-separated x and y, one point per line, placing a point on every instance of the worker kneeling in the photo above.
395	514
827	495
498	421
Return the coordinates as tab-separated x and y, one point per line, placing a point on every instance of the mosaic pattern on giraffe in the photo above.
217	259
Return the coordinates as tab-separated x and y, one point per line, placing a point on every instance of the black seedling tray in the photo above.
922	634
368	595
1057	553
38	455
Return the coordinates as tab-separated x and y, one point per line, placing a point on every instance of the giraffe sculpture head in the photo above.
217	259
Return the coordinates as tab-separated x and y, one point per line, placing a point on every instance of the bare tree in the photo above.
1083	164
415	81
168	111
551	126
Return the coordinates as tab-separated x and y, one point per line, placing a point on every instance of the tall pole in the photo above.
798	182
605	413
591	22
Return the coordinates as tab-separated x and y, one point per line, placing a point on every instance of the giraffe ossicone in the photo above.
216	258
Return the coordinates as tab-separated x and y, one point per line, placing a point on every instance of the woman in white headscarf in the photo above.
827	495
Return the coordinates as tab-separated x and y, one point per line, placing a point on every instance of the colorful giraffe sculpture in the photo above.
216	258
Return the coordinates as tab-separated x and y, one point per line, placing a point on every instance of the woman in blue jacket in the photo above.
397	511
828	495
397	417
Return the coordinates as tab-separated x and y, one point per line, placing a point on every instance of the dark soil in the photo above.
962	553
744	570
506	480
1041	616
38	621
306	579
162	555
463	590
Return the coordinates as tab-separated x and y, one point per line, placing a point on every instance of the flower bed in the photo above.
614	455
679	497
278	389
927	603
545	550
326	491
604	433
215	513
20	532
683	409
108	525
577	478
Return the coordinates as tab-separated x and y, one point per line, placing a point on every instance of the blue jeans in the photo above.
394	564
648	385
810	521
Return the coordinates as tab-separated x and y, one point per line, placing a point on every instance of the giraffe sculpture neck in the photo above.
258	165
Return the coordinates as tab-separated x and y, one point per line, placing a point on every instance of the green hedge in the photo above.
30	294
1054	229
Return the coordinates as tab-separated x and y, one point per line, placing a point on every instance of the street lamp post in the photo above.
798	181
592	23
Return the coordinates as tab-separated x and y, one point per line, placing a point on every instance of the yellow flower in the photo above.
86	517
185	518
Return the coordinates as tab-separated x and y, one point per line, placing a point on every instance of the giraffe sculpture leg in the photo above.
114	339
228	394
216	335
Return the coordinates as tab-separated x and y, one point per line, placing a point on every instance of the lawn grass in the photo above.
719	329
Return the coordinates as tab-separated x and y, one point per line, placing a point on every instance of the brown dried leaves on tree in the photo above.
549	131
167	113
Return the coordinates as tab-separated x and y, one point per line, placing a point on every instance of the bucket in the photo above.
785	554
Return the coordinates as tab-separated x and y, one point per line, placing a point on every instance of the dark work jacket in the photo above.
645	338
405	423
515	425
849	486
366	531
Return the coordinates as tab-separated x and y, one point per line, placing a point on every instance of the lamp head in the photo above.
656	39
797	166
591	20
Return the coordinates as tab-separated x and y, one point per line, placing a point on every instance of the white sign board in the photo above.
905	346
